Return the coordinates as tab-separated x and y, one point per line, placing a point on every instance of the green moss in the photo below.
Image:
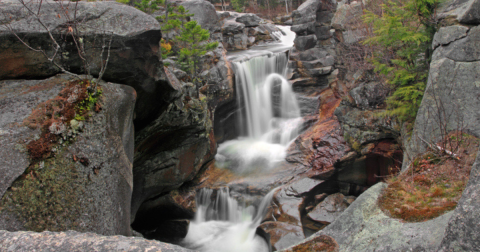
46	196
88	104
352	142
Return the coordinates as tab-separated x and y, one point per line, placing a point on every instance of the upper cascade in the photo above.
268	108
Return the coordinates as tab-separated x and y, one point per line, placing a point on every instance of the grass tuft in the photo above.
432	187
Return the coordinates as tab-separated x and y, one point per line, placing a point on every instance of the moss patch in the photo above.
53	117
433	185
46	196
320	243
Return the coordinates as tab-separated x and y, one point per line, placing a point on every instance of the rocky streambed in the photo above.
137	166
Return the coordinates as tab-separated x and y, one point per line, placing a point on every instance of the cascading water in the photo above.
271	117
223	224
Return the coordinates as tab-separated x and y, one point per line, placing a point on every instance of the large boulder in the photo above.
462	232
329	209
249	19
172	149
451	99
134	50
75	241
347	22
204	13
307	12
364	227
460	11
91	177
303	43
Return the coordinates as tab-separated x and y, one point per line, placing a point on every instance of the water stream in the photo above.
270	118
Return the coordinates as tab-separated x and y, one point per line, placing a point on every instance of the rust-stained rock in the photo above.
283	234
321	243
99	187
329	209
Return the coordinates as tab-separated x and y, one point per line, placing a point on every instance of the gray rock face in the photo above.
462	232
231	26
106	142
346	22
172	149
369	95
249	20
446	35
304	29
463	49
329	209
306	12
204	13
452	92
240	30
462	11
303	43
364	227
75	241
364	126
135	38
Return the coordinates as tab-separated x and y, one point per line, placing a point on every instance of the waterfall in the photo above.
224	225
270	118
269	115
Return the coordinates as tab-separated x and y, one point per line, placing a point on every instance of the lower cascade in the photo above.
223	224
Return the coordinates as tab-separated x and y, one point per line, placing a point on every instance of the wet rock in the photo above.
308	105
172	150
329	209
170	231
287	206
303	43
282	234
102	203
310	54
75	241
304	29
462	232
138	40
302	187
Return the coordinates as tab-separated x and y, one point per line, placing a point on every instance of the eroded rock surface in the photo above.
134	52
105	142
462	232
451	99
75	241
364	227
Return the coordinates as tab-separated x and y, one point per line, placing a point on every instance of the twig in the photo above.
434	146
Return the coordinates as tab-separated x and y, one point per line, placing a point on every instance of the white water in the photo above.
270	121
223	225
270	115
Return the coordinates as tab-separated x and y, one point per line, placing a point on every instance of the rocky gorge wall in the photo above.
167	110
